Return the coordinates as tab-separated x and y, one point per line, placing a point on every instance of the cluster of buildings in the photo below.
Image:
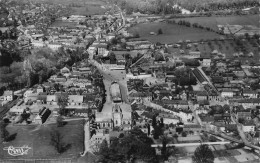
77	34
73	86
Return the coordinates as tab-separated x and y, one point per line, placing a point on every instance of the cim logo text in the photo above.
17	151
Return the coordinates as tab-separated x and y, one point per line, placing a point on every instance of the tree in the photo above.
4	132
241	120
160	31
154	122
203	154
62	102
134	145
136	35
184	134
57	141
104	151
164	151
59	121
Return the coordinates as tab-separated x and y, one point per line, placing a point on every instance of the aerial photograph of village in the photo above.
129	81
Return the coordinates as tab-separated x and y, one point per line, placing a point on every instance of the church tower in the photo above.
117	115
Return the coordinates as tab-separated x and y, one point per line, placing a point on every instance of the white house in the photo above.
250	94
206	62
8	96
248	127
54	46
227	93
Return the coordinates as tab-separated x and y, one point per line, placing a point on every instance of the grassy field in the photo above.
212	22
172	33
39	140
89	10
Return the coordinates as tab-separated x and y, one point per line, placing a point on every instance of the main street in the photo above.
108	77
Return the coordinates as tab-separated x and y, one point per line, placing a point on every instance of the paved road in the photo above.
195	115
239	128
111	77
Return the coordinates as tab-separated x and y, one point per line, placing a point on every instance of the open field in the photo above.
38	139
172	33
212	22
88	10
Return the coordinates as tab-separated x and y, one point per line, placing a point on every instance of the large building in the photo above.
117	115
115	92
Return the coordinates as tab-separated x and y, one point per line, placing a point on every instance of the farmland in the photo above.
88	10
212	22
172	33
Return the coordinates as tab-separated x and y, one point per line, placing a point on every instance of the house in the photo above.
8	95
247	93
183	95
192	127
227	93
98	138
65	70
27	92
42	98
218	127
226	118
52	100
256	138
120	60
201	95
169	118
40	89
75	100
206	119
244	114
180	104
206	62
214	97
140	97
84	70
32	97
249	103
102	49
248	126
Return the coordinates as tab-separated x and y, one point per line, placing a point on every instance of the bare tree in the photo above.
57	141
4	133
59	121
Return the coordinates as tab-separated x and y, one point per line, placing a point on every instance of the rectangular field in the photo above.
172	33
89	10
213	21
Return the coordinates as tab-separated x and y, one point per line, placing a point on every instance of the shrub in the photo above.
160	31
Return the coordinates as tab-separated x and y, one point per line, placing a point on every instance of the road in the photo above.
111	77
191	144
195	115
108	78
239	128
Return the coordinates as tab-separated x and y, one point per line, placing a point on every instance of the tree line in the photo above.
166	6
37	66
